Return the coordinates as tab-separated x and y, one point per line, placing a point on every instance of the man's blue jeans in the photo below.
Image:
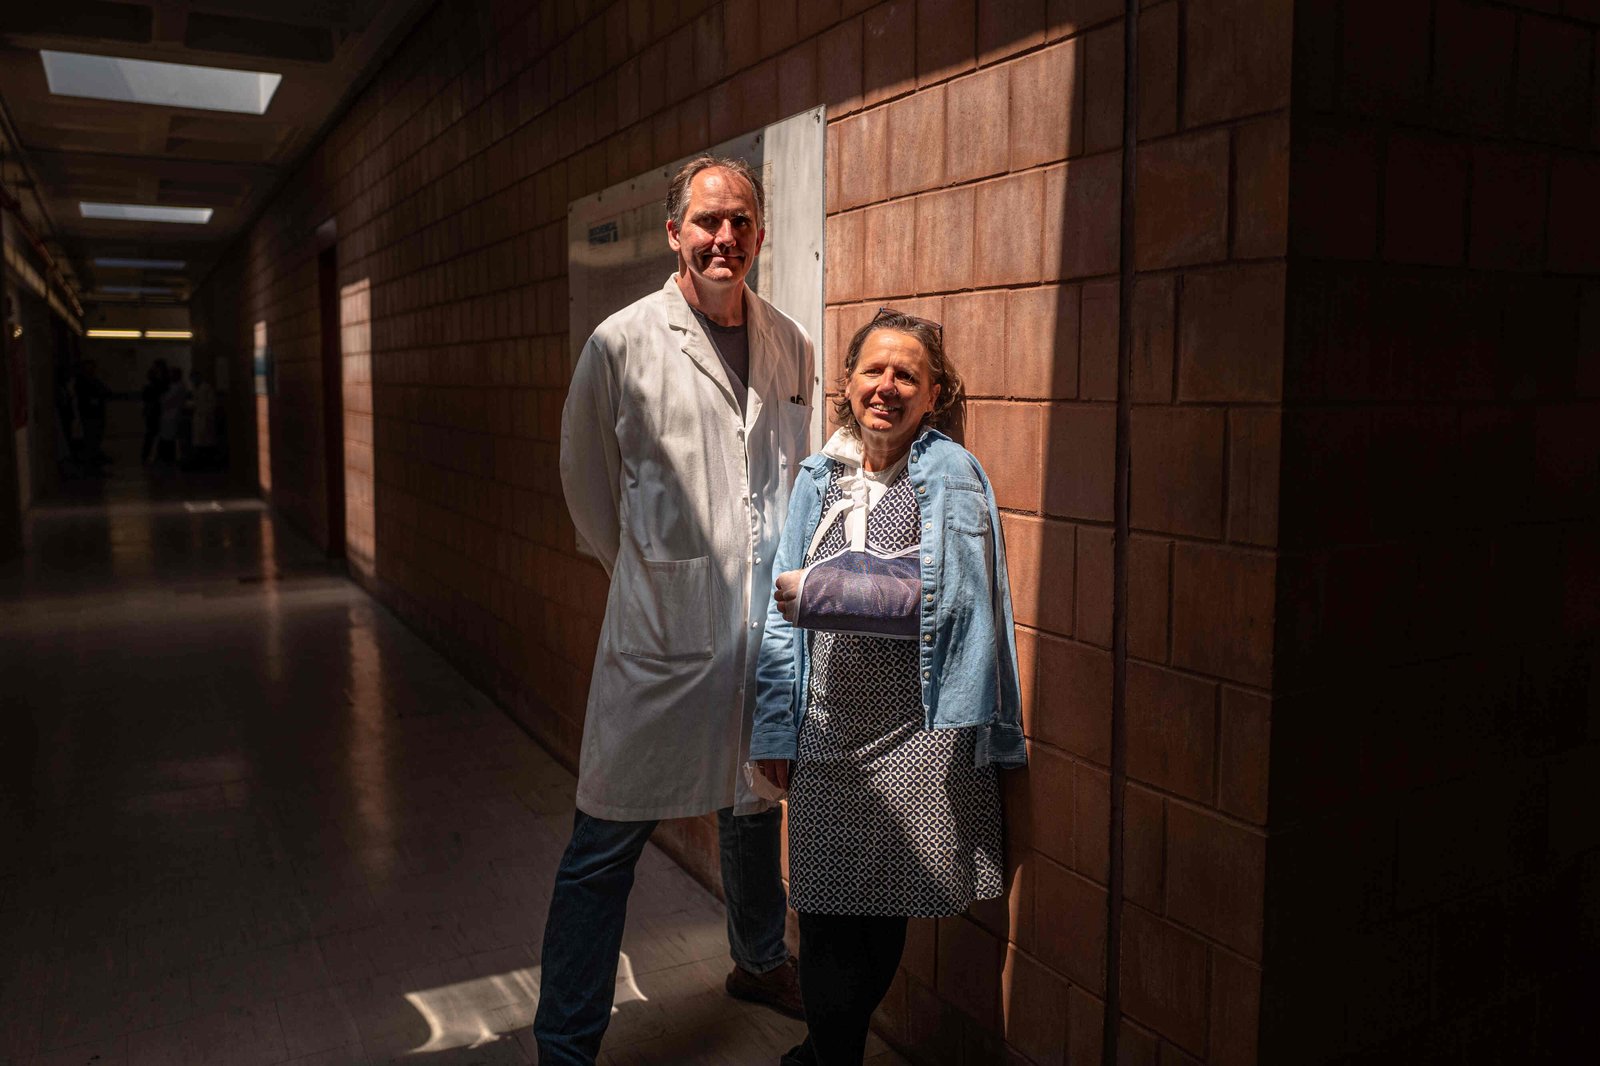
583	934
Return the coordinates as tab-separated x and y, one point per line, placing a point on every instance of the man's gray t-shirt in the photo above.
733	346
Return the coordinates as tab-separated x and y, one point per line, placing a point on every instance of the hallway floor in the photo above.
248	818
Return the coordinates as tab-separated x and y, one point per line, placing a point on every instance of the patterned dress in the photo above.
885	817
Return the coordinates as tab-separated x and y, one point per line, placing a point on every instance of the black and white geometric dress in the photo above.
885	817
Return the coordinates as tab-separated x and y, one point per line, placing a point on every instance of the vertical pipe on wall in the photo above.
1120	536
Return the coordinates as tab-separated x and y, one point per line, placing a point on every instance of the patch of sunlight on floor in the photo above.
459	1015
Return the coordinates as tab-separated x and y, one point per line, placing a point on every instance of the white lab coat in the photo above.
682	498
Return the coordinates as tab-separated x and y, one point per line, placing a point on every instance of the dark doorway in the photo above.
332	395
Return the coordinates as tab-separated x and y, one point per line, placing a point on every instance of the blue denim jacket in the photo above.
968	643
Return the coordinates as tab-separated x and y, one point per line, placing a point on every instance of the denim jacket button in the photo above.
927	558
927	638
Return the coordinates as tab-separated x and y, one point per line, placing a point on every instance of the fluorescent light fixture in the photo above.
138	290
144	81
140	264
196	216
114	334
168	334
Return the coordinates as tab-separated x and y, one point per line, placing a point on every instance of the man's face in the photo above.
721	233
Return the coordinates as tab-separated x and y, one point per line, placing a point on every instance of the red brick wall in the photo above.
1224	427
976	173
977	181
1433	867
1204	384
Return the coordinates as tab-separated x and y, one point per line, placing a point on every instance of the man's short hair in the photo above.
678	190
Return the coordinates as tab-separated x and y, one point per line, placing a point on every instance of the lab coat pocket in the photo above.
667	610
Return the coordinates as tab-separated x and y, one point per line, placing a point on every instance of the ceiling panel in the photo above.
89	19
76	148
259	38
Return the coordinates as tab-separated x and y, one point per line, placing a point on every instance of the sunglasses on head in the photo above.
890	312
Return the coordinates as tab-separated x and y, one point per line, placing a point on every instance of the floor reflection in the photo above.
248	817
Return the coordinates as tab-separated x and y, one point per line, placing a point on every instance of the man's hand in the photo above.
775	770
788	595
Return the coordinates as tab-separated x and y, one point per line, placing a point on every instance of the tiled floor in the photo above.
247	817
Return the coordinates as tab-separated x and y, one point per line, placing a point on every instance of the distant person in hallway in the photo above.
155	386
888	745
172	401
202	422
685	424
90	393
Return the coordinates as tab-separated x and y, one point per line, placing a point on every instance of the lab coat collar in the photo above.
698	347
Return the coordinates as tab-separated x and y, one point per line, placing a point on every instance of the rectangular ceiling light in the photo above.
144	81
114	334
145	213
168	334
138	290
140	264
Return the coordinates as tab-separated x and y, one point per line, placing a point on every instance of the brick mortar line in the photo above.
969	183
1215	125
647	120
644	120
1224	815
1210	941
1373	265
1190	803
1265	551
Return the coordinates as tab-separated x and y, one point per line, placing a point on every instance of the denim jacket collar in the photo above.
820	466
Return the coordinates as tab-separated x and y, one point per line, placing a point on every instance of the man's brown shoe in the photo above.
778	988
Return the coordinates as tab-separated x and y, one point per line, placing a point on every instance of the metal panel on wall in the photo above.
617	242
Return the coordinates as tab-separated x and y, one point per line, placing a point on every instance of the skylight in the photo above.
145	213
140	264
144	81
137	290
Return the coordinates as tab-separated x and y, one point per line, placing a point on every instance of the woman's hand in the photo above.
775	770
787	594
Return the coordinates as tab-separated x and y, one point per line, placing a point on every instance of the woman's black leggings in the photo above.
847	963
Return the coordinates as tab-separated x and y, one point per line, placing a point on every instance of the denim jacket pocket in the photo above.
966	509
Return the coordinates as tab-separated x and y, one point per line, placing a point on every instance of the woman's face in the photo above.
891	390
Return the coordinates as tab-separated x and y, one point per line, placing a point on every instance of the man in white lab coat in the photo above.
684	427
